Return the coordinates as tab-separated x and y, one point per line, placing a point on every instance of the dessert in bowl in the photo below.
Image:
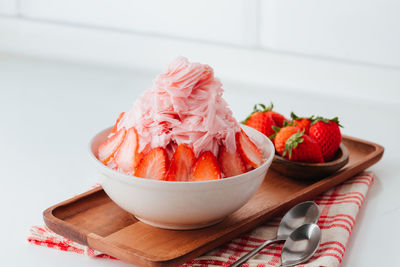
178	159
187	204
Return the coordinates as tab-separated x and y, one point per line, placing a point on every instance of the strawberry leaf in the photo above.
295	117
335	120
286	123
292	142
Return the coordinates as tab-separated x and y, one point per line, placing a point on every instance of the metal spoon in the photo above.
301	245
303	213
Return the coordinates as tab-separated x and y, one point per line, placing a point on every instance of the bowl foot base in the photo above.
178	226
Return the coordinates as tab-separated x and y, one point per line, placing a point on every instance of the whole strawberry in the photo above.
301	122
260	120
327	134
300	147
263	118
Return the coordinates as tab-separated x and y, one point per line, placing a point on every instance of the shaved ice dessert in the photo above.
180	129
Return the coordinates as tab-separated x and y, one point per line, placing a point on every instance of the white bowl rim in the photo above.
131	179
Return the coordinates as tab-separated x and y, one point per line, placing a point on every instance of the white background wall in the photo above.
262	50
330	47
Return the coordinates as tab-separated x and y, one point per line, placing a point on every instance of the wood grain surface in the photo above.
93	219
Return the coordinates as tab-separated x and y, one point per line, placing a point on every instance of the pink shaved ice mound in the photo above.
184	105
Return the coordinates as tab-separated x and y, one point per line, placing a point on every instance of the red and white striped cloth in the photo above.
339	208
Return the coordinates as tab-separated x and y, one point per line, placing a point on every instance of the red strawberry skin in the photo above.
303	124
127	156
328	137
263	118
278	118
153	165
262	122
231	162
206	168
181	165
282	136
307	151
248	150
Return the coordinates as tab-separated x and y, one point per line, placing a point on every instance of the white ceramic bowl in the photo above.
182	205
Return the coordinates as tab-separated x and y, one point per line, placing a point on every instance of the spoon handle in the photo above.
254	252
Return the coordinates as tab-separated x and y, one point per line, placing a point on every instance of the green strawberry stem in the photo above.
263	108
335	120
295	117
292	142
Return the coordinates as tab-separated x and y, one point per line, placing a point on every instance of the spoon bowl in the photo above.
301	245
303	213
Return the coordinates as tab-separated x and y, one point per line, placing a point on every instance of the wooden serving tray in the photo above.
93	219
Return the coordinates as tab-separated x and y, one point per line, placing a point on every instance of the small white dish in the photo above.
182	205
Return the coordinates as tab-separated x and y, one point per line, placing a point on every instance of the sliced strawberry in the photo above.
153	165
127	157
110	146
115	128
248	150
181	165
206	168
231	163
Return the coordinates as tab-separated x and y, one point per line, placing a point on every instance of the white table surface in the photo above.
49	110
